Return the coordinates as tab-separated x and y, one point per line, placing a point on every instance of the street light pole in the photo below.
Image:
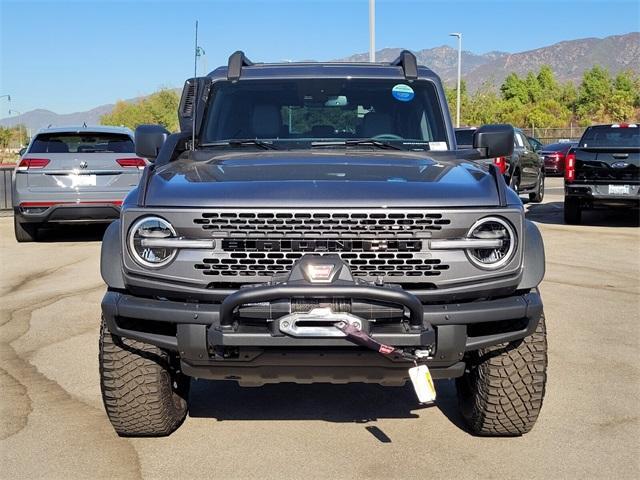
372	30
459	35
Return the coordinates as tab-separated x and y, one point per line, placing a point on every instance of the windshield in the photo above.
611	136
85	142
301	112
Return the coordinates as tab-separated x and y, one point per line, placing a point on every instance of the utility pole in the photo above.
459	35
372	30
16	112
8	97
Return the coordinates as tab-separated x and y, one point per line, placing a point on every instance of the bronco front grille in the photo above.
341	224
255	245
370	264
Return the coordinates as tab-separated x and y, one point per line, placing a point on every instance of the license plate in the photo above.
82	180
618	189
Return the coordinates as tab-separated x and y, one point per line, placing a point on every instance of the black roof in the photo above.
404	67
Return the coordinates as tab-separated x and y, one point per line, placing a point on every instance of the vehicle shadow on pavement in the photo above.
553	214
355	402
72	233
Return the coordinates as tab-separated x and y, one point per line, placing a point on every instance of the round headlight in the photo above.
141	242
492	228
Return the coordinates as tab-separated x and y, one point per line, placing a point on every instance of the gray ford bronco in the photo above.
315	222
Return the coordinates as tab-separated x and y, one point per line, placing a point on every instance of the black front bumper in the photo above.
213	344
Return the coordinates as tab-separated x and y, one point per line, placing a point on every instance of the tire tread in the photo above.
502	393
137	387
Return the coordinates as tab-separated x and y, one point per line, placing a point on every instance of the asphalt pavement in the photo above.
52	424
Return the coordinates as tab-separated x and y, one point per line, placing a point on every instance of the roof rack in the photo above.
237	60
407	60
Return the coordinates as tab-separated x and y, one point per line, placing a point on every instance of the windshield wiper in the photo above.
240	142
359	141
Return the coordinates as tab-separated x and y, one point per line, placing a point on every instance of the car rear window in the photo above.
464	137
611	136
557	147
85	142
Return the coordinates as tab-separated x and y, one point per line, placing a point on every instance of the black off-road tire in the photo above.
538	195
572	211
500	394
25	232
143	393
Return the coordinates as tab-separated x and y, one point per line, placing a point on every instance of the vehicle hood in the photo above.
321	178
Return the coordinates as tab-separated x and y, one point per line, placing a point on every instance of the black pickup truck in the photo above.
603	170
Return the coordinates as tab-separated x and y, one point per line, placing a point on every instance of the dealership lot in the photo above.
52	423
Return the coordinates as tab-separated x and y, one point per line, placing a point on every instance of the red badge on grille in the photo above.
320	273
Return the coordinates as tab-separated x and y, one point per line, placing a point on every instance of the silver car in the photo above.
73	175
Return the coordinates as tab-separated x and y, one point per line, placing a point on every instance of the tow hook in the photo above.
362	338
419	374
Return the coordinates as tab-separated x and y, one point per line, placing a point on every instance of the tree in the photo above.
624	97
547	82
160	108
452	99
514	89
593	95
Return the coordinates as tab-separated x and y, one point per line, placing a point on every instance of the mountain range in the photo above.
568	59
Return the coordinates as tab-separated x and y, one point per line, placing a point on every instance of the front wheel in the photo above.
143	392
515	182
538	195
501	392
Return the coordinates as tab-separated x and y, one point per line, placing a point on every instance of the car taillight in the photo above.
570	168
32	163
133	162
501	163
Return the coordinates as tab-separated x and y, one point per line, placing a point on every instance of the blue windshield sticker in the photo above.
402	92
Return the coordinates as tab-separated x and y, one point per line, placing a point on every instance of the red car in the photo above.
554	156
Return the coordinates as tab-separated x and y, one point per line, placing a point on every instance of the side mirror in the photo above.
22	151
149	140
494	140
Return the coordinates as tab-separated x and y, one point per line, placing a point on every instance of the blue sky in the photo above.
75	55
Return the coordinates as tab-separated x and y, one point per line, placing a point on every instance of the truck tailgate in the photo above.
608	164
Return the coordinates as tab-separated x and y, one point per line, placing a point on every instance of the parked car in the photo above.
535	143
314	232
464	137
603	170
554	155
523	170
73	175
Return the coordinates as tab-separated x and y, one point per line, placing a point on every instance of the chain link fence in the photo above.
553	135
